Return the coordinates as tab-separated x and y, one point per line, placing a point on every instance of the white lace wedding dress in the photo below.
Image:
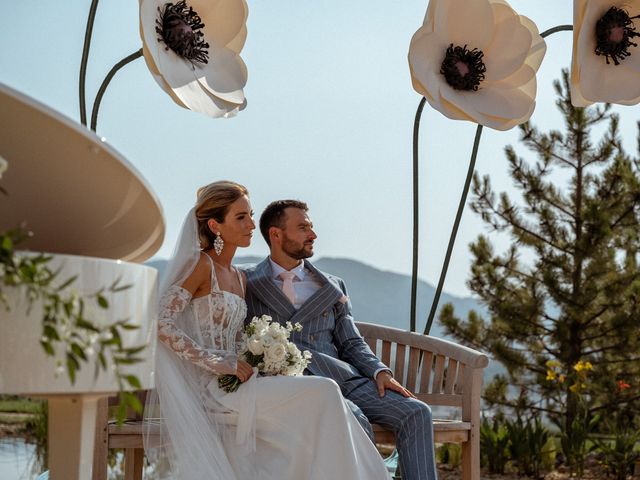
280	428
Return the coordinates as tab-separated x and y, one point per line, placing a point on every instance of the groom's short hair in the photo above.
274	215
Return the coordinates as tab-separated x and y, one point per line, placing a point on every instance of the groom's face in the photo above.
297	235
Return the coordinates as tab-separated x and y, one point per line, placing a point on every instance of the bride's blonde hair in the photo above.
213	201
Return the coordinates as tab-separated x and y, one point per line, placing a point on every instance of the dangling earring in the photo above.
218	244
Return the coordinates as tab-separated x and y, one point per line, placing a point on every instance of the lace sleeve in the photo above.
172	303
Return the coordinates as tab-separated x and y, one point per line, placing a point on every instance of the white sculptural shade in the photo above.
76	193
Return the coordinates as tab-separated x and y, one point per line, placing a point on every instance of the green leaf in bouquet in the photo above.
229	383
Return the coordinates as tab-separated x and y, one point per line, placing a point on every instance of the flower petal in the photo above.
538	45
505	104
608	83
425	57
508	49
148	11
517	79
464	22
224	76
238	42
223	19
198	99
448	109
632	62
157	76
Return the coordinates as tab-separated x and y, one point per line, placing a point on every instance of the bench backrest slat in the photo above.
400	361
425	372
450	376
438	374
412	370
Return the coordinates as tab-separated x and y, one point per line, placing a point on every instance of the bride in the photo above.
282	428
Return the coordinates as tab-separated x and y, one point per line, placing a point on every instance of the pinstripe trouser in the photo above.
408	418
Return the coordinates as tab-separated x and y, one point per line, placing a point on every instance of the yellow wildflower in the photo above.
561	378
576	387
551	375
582	366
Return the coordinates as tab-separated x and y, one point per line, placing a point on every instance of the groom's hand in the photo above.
385	381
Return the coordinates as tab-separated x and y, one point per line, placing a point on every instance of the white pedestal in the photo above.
72	423
25	368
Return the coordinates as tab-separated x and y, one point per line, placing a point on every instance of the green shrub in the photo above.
619	454
449	454
527	442
494	440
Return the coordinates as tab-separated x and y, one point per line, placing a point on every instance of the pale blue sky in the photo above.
329	119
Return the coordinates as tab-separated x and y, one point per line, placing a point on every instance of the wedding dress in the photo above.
284	428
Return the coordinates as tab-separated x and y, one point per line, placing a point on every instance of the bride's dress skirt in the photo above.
303	431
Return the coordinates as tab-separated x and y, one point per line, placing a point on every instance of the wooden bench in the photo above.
439	372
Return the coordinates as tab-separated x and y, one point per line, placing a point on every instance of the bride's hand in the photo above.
243	370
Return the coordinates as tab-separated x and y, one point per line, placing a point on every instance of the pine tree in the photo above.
566	294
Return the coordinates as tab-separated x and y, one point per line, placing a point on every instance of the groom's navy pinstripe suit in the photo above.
340	353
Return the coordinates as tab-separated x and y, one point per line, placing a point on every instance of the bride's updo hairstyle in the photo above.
214	201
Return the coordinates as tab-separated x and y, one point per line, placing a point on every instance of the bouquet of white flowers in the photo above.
265	344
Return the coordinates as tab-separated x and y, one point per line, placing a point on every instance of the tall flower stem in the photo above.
105	83
85	58
454	230
559	28
461	205
414	271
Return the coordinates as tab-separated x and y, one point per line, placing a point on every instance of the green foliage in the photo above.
66	324
528	445
36	431
620	454
566	293
494	441
449	454
575	441
16	404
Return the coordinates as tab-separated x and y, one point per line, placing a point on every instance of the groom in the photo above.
287	287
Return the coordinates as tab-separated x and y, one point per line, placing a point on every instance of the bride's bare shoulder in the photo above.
200	277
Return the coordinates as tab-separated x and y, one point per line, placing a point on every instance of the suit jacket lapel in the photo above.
262	286
324	297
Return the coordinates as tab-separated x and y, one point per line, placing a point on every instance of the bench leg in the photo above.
133	463
100	447
471	460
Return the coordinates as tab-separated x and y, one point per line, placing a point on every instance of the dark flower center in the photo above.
178	26
463	68
614	32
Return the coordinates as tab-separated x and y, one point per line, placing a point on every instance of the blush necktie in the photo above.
287	286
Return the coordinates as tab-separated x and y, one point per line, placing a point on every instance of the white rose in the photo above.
3	166
275	330
255	346
277	353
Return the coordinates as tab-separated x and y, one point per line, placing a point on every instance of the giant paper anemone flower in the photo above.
477	60
606	57
192	50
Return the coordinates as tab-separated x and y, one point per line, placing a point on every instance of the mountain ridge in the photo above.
379	296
